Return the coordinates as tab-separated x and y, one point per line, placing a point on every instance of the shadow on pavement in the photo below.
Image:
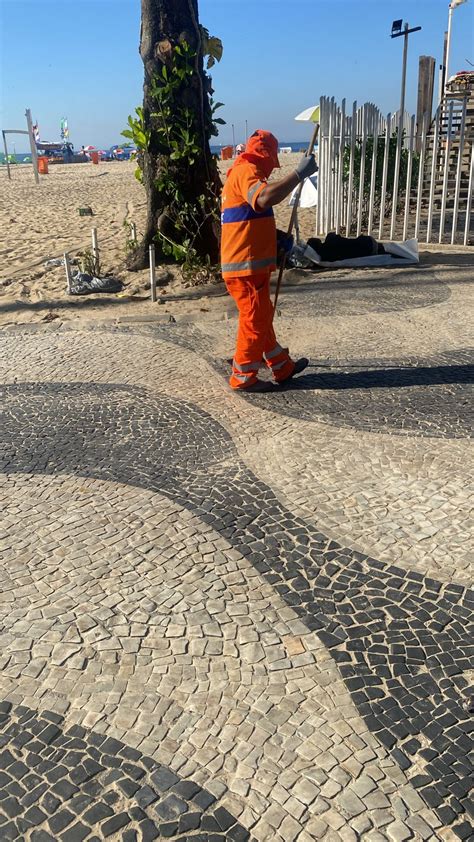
436	258
388	378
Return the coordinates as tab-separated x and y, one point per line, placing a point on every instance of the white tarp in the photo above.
309	193
398	254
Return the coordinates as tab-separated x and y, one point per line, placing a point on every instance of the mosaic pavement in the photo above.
209	631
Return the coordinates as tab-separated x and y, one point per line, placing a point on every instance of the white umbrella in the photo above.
309	115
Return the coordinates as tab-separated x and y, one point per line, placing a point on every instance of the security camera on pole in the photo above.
396	32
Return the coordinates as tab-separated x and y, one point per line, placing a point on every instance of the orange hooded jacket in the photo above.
248	239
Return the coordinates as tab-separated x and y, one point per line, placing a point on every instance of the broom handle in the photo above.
294	211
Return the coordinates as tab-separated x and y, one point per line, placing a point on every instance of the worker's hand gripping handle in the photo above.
306	167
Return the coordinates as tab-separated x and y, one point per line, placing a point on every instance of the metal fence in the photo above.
372	180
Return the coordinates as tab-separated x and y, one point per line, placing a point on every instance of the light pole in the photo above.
453	5
233	139
396	32
246	132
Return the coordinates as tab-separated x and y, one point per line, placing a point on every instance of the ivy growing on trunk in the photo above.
172	131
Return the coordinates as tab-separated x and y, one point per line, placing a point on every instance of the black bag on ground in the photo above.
84	284
336	247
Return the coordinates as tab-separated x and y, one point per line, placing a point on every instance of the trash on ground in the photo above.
337	251
84	284
59	261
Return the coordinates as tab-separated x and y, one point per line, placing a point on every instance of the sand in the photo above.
42	221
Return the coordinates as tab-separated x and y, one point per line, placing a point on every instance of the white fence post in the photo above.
434	171
319	206
446	172
95	251
408	183
396	175
340	172
373	175
350	185
330	165
34	153
459	171
421	172
67	267
469	197
152	273
365	118
384	173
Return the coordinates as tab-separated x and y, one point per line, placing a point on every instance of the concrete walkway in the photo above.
241	618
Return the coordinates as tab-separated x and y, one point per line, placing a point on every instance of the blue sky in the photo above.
79	59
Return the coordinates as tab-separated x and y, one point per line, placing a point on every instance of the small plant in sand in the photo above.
90	263
131	243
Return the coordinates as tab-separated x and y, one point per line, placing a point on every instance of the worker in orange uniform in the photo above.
249	256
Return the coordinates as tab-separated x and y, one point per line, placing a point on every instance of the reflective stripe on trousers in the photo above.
256	341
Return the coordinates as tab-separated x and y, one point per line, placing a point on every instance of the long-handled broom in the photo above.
295	206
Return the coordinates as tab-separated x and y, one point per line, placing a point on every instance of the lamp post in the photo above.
397	32
453	5
233	140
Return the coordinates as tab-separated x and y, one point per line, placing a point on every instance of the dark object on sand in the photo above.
84	284
85	212
336	247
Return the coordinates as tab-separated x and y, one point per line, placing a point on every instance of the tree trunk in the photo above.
164	24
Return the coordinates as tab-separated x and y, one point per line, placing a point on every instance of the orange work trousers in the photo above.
256	340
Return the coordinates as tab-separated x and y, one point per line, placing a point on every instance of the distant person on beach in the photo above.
249	256
67	153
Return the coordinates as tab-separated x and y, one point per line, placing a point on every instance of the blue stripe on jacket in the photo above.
242	213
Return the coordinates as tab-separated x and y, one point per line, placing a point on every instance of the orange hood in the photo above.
261	149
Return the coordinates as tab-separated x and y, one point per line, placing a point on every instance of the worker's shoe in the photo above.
300	366
257	387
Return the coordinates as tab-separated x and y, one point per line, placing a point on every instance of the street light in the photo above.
396	32
453	5
397	28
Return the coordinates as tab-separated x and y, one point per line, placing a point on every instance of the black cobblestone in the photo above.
70	813
380	622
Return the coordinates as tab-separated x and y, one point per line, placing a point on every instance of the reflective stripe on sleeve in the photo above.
248	264
253	190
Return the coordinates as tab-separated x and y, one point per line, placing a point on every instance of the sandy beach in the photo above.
42	221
